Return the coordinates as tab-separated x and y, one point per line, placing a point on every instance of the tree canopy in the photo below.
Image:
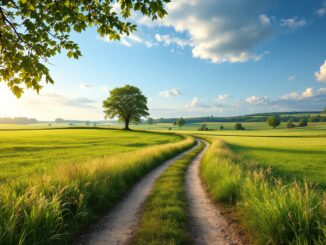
127	103
33	31
290	124
238	126
274	121
180	122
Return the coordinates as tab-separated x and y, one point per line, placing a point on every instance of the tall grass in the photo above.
274	213
165	218
51	208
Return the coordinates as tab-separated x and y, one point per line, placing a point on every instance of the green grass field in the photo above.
26	152
289	157
296	153
269	211
58	181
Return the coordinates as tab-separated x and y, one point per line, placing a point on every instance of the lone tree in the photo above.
238	126
150	121
180	122
127	103
274	121
290	124
33	31
303	122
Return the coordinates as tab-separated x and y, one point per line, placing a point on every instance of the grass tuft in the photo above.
165	218
274	213
51	208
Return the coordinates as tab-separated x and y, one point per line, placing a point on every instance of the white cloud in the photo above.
170	93
322	91
293	23
292	95
307	93
131	40
167	40
223	97
321	11
296	96
298	101
219	30
264	19
84	86
321	75
291	78
195	102
255	100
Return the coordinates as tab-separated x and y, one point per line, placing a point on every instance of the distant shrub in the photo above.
238	126
203	127
290	124
221	127
303	122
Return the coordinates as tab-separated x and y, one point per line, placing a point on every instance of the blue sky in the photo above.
207	57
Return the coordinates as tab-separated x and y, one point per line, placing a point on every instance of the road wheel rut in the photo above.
208	225
118	225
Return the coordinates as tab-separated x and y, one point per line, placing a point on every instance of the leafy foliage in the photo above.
290	124
238	126
33	31
274	121
303	122
180	122
127	103
203	127
150	121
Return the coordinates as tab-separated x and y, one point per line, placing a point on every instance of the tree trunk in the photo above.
127	124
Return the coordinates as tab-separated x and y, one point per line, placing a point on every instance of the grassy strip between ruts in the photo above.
50	209
272	212
165	218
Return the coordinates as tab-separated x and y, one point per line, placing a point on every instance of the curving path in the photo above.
208	226
118	225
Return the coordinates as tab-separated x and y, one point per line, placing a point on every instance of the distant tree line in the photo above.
284	117
17	120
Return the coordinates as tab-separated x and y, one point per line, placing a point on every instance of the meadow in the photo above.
55	181
25	152
53	204
269	211
296	153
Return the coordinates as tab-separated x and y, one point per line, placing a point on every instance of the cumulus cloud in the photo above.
264	19
255	100
291	78
170	93
210	105
223	97
220	30
293	23
309	92
84	86
131	40
322	10
167	40
321	75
